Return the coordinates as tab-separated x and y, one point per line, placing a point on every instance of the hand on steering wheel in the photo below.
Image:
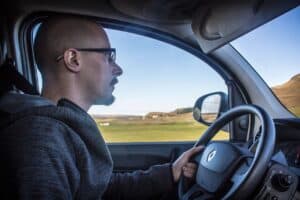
183	166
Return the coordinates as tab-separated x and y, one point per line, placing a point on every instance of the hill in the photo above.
289	93
177	112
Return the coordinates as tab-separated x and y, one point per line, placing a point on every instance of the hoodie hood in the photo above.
13	102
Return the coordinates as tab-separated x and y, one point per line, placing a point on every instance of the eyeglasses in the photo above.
111	52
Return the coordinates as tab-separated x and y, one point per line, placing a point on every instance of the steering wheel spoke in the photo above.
239	174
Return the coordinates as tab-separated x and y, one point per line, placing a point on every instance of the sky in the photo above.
160	77
274	48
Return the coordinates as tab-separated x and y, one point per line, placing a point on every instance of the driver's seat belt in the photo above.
10	78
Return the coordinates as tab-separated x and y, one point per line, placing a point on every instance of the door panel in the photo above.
134	156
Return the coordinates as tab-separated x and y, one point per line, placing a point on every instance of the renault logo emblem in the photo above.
211	155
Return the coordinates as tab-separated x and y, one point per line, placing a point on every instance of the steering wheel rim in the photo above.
263	154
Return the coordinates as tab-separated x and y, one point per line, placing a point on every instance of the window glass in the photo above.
273	50
156	93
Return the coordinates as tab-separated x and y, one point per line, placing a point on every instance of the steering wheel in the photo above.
226	170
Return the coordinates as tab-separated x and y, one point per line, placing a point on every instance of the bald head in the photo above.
59	33
84	77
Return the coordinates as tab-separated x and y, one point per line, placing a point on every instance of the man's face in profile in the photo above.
101	71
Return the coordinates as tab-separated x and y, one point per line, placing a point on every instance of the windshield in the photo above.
273	50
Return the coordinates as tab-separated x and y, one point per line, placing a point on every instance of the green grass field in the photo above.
154	131
167	129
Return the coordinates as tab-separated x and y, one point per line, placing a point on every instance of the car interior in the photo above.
260	159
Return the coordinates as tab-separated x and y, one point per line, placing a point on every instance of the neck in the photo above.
68	92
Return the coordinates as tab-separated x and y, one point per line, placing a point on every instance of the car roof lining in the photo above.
209	24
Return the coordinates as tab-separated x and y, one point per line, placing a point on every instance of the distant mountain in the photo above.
289	92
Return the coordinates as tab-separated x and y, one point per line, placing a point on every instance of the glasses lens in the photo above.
112	56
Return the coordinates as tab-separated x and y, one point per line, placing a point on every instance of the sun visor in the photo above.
217	25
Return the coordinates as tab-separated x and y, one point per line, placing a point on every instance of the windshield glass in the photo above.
273	50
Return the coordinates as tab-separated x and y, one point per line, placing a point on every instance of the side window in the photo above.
156	93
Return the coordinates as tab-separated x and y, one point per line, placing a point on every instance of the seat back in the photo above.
10	78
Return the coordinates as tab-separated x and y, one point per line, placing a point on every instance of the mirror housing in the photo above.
209	107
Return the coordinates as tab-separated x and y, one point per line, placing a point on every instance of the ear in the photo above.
72	60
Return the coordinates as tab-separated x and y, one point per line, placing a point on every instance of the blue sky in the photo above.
274	49
160	77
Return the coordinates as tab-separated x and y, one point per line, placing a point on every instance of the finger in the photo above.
191	165
188	174
185	168
189	170
197	149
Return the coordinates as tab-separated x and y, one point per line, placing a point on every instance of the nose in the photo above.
117	70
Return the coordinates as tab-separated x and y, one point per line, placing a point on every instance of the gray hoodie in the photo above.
57	152
50	152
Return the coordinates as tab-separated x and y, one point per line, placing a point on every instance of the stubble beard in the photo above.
105	101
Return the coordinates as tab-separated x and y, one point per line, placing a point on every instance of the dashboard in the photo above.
282	178
288	142
291	151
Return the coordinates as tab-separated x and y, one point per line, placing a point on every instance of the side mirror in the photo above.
209	107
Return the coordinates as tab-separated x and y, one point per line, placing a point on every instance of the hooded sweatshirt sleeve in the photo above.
148	184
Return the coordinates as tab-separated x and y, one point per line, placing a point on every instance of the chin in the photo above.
105	101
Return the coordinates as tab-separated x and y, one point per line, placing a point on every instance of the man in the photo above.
55	150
